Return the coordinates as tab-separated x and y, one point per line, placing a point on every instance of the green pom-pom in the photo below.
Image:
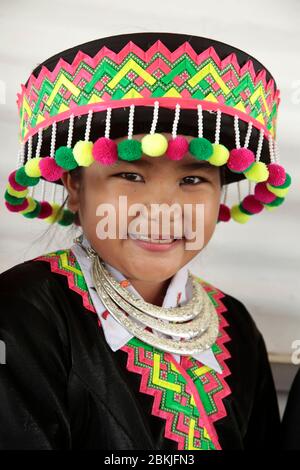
154	145
201	148
276	202
129	149
35	212
15	201
65	159
67	218
23	179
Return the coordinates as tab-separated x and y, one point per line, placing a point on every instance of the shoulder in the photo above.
238	321
34	274
32	299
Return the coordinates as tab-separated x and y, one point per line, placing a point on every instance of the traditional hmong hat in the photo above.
75	103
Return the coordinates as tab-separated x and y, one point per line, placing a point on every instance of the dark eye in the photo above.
193	180
130	176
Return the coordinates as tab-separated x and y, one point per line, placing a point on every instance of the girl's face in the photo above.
146	181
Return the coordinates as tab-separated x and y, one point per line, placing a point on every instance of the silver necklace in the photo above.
194	325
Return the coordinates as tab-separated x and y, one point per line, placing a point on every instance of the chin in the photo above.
154	271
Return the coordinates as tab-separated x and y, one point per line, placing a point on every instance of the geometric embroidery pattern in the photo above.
116	79
188	396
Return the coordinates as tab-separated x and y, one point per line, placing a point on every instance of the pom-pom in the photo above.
13	183
276	174
46	210
67	218
238	215
25	180
224	213
240	160
177	148
262	193
129	150
82	152
251	204
32	167
55	214
154	145
280	192
201	148
15	193
220	155
64	158
258	172
50	169
287	183
277	202
19	208
34	213
105	151
269	208
13	200
31	205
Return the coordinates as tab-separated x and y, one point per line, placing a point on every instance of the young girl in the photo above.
113	343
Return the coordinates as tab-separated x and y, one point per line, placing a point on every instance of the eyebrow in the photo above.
197	165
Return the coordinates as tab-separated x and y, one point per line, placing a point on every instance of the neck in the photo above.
152	292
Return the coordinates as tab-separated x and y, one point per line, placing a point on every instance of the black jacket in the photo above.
62	387
291	417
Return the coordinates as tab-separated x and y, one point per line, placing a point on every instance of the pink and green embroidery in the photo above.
188	396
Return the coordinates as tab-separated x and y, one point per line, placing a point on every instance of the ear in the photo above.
72	185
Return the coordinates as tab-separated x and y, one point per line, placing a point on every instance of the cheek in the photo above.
207	215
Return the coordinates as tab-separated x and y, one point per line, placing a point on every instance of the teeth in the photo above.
149	239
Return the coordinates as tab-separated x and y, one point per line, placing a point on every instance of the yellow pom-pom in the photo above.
31	206
154	145
53	217
32	167
238	215
270	208
82	152
15	193
220	155
279	192
258	172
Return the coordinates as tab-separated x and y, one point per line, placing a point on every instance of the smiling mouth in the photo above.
159	239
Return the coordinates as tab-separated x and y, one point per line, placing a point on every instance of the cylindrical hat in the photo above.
76	103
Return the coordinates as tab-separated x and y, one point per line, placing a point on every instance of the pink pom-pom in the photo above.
12	181
240	159
46	210
105	151
177	148
277	174
251	204
262	194
224	213
50	170
18	208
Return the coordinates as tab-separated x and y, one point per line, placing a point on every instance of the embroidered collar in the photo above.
179	290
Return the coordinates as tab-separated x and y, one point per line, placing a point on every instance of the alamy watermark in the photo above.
295	359
162	220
